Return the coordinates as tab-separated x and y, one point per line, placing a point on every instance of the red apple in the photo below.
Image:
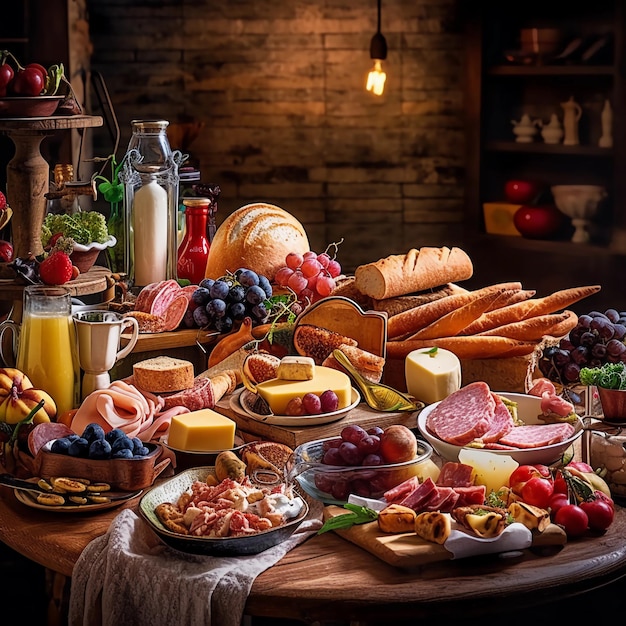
521	191
538	222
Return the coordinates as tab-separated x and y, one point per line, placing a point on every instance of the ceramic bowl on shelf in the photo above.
84	257
581	203
529	412
332	484
29	106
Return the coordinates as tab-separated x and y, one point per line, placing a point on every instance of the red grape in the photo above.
311	267
297	282
294	260
353	433
334	269
329	401
309	255
295	406
282	276
332	457
350	453
369	445
375	430
325	285
335	442
323	259
373	459
312	282
312	404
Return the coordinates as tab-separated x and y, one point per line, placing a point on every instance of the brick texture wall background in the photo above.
278	88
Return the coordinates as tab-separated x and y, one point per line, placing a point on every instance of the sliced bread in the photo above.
163	374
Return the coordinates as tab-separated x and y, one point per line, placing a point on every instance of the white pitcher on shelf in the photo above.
526	129
573	112
553	131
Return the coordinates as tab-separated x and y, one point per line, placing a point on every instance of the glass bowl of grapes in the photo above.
362	461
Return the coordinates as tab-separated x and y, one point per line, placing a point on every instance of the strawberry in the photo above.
56	269
3	201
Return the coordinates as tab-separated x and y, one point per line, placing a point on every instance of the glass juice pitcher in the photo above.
45	345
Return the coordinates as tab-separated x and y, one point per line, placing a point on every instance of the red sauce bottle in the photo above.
194	248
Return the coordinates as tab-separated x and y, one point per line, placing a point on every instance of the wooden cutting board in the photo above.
407	550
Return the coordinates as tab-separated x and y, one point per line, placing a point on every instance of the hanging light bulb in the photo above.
378	52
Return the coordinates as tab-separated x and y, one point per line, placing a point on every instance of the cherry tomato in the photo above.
42	70
537	491
522	474
6	76
557	501
599	512
560	486
573	520
600	495
28	82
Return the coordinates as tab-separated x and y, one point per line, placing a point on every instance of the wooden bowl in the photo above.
33	106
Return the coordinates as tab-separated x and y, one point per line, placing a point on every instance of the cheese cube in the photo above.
432	375
201	431
296	368
277	392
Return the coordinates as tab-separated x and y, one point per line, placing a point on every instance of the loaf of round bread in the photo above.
257	236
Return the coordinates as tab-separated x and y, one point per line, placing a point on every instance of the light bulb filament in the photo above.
376	79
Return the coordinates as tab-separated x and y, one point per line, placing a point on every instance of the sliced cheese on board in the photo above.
432	374
201	431
277	392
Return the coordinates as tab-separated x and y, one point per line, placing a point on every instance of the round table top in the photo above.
47	124
328	577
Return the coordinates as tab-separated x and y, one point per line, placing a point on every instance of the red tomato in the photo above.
6	76
521	191
522	474
557	501
600	495
599	512
560	486
573	520
580	466
538	222
42	70
28	82
537	491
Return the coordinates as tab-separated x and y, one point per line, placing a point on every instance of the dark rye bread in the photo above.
317	342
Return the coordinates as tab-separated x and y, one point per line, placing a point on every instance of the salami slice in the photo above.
501	423
144	298
537	435
200	396
167	291
464	415
39	436
175	312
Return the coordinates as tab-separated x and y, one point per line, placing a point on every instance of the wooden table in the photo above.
330	579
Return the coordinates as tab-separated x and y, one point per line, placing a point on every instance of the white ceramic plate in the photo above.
528	410
238	404
29	499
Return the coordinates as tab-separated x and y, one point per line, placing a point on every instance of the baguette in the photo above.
533	328
454	322
560	300
409	322
499	317
417	270
399	304
473	347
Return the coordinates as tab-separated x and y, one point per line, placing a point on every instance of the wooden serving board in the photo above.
407	550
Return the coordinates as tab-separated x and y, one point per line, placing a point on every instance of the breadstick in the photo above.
532	328
409	322
474	347
560	300
454	322
519	296
498	317
562	329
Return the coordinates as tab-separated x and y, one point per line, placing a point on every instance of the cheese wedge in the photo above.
432	374
201	431
296	368
277	392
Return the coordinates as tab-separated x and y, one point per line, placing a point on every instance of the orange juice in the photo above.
47	355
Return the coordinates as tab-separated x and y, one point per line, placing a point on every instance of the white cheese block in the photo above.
296	368
490	469
432	374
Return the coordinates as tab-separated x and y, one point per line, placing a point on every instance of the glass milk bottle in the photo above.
150	177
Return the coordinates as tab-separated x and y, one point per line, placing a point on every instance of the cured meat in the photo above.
537	435
464	415
501	423
475	494
402	490
168	290
555	404
440	499
175	312
540	386
145	296
39	436
200	396
417	497
455	475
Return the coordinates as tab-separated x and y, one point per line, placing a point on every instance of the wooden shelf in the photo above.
551	70
546	148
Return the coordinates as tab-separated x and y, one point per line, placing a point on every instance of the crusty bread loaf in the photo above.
163	374
256	236
417	270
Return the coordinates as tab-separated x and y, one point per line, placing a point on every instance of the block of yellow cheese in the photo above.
296	368
277	392
201	431
432	374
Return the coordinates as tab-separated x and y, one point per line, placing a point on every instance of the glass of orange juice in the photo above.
46	350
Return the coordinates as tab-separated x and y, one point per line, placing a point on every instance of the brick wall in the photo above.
279	91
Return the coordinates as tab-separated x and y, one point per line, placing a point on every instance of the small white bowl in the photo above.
578	201
528	410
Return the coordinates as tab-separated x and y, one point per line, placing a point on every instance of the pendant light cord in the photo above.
379	3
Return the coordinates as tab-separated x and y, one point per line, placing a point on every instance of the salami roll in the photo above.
416	270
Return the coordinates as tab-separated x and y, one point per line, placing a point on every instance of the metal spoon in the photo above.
378	396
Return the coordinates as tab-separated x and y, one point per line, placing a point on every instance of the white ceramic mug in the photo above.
98	335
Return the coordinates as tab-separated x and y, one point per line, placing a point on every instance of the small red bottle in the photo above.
194	248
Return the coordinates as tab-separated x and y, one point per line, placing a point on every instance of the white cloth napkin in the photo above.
130	577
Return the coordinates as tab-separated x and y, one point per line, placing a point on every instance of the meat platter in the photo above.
408	551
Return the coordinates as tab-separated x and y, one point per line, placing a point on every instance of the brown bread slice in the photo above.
318	342
369	365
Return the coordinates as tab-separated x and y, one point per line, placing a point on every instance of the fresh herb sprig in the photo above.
358	515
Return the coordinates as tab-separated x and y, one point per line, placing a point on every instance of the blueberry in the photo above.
219	289
188	320
143	451
121	443
137	443
237	310
114	434
100	449
93	432
200	317
201	295
248	278
259	312
224	324
265	284
236	293
216	308
123	453
60	446
72	437
79	447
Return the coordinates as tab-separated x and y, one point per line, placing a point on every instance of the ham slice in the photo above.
416	499
537	435
464	415
399	492
455	475
501	423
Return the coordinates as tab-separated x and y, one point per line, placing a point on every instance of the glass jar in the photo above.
150	177
194	247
